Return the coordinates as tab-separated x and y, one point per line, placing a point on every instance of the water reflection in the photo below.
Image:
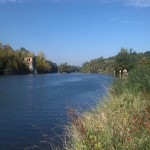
42	100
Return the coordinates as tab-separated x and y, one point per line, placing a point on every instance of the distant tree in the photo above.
13	61
64	68
10	60
99	65
31	54
2	59
22	53
74	68
147	53
125	60
144	59
41	65
54	67
7	48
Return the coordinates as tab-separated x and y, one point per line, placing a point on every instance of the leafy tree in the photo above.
147	53
144	59
64	68
122	60
99	65
74	68
41	65
13	61
125	60
10	60
22	53
54	67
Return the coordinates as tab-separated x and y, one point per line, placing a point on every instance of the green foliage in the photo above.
41	65
65	68
99	65
22	53
147	53
125	60
12	62
144	59
139	79
121	122
122	59
54	67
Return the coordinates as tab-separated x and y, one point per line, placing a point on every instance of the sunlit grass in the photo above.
121	122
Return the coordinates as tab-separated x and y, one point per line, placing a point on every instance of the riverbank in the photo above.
122	121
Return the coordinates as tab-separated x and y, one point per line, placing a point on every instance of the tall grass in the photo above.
121	122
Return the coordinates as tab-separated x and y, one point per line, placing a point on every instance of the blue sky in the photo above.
75	31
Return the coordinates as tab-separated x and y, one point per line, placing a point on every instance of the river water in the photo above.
30	104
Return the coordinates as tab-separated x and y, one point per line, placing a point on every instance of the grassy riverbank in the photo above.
121	122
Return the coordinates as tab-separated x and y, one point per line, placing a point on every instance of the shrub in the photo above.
139	79
121	122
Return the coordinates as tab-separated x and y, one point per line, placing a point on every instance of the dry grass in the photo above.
121	122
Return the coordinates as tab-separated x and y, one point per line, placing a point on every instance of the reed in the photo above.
121	122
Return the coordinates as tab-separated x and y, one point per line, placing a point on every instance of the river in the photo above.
30	102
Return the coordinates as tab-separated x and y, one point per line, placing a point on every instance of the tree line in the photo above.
125	59
13	61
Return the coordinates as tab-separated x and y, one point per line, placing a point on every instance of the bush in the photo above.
121	122
139	79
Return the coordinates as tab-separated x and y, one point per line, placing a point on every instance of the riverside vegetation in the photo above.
120	122
13	61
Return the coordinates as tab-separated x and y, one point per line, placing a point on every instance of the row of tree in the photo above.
125	59
13	62
65	68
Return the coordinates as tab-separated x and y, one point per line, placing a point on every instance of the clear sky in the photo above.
75	31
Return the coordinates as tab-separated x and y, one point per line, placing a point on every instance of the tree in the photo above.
54	67
64	68
41	65
125	60
99	65
12	61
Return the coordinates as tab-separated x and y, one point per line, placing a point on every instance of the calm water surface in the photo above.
42	100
